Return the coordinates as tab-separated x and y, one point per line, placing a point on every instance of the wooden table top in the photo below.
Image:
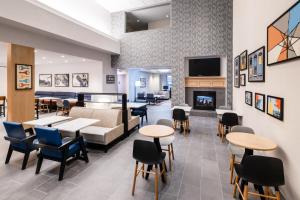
251	141
156	131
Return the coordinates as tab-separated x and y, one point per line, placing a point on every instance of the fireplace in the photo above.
204	100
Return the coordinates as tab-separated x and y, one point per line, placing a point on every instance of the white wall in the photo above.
250	21
87	12
3	81
95	70
122	83
154	80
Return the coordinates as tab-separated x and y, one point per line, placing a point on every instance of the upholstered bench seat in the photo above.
101	135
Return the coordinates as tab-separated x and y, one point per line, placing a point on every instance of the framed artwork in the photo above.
283	37
248	98
237	72
256	65
243	60
143	82
80	80
110	79
243	79
275	107
23	77
45	80
260	102
61	80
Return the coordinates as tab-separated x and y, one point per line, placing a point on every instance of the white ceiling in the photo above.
153	14
43	57
124	5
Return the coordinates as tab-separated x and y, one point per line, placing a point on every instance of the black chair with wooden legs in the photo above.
229	120
146	153
262	172
180	117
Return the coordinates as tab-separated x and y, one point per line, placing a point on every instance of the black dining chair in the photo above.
228	121
146	152
19	141
2	105
66	107
180	117
150	98
141	112
261	171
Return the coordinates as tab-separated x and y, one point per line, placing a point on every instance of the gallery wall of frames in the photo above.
64	80
282	46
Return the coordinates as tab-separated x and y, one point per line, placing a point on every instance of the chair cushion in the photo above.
165	141
133	122
73	149
96	133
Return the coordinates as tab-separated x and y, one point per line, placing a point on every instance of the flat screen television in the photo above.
204	67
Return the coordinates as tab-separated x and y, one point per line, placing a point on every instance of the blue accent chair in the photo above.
19	142
53	147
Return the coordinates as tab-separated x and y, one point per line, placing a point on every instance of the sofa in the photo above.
133	121
104	132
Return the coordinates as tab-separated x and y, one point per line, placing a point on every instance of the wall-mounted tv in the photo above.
204	67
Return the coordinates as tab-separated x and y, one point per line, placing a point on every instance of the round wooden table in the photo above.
156	132
250	142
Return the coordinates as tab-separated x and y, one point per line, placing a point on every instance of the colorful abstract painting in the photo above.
284	36
256	65
275	107
23	77
260	102
237	72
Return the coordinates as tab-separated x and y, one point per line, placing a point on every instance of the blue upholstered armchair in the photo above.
53	147
16	135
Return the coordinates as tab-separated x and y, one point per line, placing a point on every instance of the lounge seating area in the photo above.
149	99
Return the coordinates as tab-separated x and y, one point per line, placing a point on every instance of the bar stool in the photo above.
261	171
145	152
167	141
237	152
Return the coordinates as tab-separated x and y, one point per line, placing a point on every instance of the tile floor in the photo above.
200	170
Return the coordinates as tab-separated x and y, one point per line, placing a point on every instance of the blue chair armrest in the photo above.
16	140
69	141
37	144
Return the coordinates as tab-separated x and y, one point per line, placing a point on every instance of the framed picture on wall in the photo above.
237	72
243	79
256	65
45	80
283	43
143	82
243	60
110	79
275	107
260	102
23	77
80	80
61	80
248	98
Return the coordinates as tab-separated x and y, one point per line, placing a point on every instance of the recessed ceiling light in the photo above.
138	20
62	56
83	60
35	51
50	62
44	58
66	61
167	16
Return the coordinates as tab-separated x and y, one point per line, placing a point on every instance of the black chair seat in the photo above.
146	152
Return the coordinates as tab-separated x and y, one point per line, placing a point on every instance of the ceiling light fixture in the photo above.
66	61
35	51
83	60
62	56
167	16
44	58
138	20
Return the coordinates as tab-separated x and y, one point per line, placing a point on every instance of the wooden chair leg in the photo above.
25	160
39	164
170	159
172	149
277	195
156	182
267	192
232	160
245	193
235	186
8	156
143	172
134	178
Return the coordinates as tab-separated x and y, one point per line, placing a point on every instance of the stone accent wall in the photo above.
198	28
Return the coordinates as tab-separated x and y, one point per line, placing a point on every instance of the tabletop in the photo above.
185	108
47	121
222	111
129	105
48	98
156	131
251	141
76	124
